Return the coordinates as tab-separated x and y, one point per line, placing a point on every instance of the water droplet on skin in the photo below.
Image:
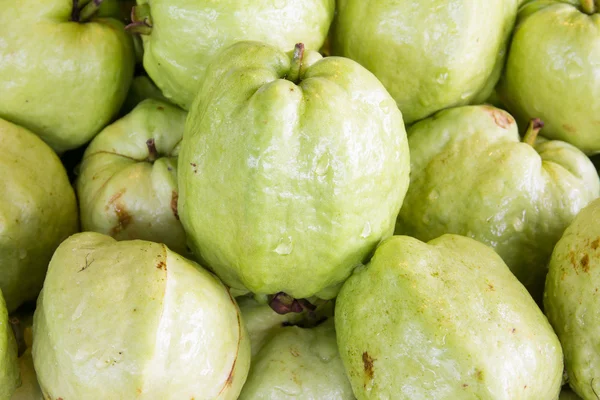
22	253
366	230
442	78
285	246
322	165
466	95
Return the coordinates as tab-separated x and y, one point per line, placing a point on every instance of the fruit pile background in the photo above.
317	199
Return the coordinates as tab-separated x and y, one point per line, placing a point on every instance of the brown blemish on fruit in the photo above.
595	244
294	352
123	219
501	118
115	197
138	390
491	287
194	167
569	128
229	379
174	200
161	265
160	108
464	385
479	374
585	263
513	330
368	365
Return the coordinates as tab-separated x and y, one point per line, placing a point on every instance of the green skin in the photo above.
444	320
298	363
429	56
38	211
127	191
473	176
29	389
187	34
571	300
9	367
63	80
132	319
552	71
142	88
288	186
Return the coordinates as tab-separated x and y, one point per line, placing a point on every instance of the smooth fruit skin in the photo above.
429	55
553	72
132	319
38	211
61	79
444	320
298	363
571	300
472	176
9	367
284	186
123	192
187	34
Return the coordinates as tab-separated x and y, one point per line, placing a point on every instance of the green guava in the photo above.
38	210
132	319
9	368
444	320
571	300
64	72
127	185
552	70
291	170
142	88
298	363
181	37
429	55
473	176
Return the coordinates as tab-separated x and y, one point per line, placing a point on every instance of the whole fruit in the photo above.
9	368
38	210
553	70
132	319
292	169
429	55
571	300
298	363
473	176
127	185
65	71
181	36
444	320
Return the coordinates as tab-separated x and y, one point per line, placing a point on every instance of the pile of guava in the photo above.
309	200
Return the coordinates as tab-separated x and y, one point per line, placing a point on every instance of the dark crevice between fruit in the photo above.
84	10
18	331
141	20
296	65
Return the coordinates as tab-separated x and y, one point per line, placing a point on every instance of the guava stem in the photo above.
535	125
88	11
141	21
152	152
15	324
294	74
588	6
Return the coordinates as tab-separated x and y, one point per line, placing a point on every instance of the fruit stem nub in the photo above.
152	152
282	303
588	6
535	125
296	65
87	9
140	20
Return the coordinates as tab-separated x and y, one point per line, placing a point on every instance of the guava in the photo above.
38	211
429	55
298	363
292	168
9	368
127	185
571	300
552	70
29	388
473	176
65	71
444	320
181	37
133	319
